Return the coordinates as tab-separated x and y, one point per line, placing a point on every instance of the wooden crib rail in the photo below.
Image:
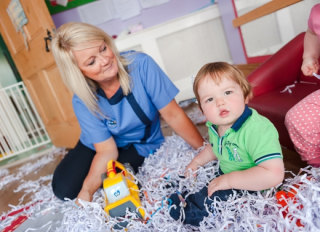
263	10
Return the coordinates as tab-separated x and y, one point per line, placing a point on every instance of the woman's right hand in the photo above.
309	66
84	195
105	151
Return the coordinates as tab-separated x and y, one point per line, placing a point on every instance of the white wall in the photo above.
267	34
182	46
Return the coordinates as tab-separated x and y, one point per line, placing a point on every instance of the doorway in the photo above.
22	132
9	72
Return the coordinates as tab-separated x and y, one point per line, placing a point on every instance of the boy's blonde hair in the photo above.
72	36
219	70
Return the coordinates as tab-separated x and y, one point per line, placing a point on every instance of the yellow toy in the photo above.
121	192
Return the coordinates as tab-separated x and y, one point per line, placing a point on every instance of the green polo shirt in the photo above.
251	140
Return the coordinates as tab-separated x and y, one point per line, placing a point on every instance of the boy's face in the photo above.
222	103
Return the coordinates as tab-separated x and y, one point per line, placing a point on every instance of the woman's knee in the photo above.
70	173
63	192
64	188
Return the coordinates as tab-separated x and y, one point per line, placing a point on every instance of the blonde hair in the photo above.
219	70
74	35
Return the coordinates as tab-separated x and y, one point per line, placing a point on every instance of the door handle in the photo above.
46	39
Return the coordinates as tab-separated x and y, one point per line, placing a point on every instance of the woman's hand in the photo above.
105	151
84	195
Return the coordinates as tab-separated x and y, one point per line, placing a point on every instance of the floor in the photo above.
8	196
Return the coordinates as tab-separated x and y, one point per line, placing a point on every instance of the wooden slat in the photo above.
263	10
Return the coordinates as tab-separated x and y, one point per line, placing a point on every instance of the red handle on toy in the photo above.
111	168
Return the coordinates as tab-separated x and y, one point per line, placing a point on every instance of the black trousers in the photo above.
70	173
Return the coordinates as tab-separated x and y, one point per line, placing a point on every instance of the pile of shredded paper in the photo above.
159	177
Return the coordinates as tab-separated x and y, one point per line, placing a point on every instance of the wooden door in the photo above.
39	72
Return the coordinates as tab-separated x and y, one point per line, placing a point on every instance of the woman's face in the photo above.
97	61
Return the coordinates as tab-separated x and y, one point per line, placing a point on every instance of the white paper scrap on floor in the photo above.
160	176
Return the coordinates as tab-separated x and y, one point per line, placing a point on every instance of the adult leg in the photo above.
303	124
130	155
70	173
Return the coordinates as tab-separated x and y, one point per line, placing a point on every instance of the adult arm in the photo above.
311	53
105	151
266	175
181	124
161	92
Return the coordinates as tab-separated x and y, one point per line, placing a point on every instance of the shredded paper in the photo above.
291	206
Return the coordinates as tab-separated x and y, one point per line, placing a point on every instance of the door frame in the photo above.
8	57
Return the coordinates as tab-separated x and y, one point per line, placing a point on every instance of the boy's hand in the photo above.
191	168
219	183
205	156
309	66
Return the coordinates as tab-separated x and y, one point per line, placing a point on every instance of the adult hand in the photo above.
84	195
309	66
106	150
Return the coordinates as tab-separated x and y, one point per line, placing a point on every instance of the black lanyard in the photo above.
141	115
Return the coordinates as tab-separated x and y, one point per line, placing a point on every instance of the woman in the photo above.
117	100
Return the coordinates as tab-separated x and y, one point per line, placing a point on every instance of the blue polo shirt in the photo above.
152	90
